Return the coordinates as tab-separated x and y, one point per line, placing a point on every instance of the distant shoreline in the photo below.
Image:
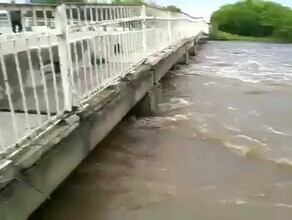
223	36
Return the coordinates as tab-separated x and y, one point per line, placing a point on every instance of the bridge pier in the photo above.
193	50
149	105
185	58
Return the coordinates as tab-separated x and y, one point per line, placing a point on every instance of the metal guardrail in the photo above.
72	52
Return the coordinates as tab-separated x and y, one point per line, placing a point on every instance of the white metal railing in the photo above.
81	49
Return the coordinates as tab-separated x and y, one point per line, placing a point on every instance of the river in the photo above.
221	148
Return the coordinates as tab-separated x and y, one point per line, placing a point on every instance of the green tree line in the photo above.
255	18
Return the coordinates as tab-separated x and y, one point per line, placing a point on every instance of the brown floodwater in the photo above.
221	148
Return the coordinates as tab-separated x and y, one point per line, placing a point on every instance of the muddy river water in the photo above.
221	148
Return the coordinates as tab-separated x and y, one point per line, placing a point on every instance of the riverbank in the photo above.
223	36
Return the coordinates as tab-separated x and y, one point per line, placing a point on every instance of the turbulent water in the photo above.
220	149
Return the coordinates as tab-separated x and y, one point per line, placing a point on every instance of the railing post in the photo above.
144	30
62	38
169	27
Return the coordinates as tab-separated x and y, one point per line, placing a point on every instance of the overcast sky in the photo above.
204	8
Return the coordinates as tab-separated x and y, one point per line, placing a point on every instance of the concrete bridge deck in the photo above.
59	151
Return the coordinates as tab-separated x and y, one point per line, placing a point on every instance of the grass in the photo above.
223	36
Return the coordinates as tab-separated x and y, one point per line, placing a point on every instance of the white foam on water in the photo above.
209	83
240	150
231	128
231	73
251	65
211	57
159	121
254	112
259	195
203	130
282	205
177	117
272	130
247	79
284	184
209	115
240	51
222	64
240	202
175	103
234	201
181	117
283	161
232	108
208	188
179	100
251	139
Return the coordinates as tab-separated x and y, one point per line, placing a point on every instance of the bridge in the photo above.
66	81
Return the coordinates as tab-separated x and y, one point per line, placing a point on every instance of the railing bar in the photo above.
23	96
113	53
34	16
105	56
106	14
121	52
120	69
32	75
44	80
71	20
101	57
8	93
2	143
89	64
9	19
137	39
45	16
129	37
52	62
109	58
86	20
77	66
71	72
124	57
125	50
115	14
84	67
101	14
128	50
131	48
24	26
91	14
95	60
110	11
96	14
79	15
132	37
137	54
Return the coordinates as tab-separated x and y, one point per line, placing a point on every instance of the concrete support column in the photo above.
193	50
185	59
149	105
